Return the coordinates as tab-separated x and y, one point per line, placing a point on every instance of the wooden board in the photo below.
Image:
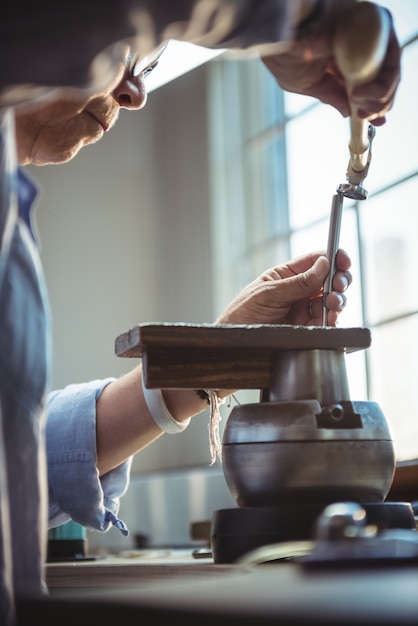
190	356
141	567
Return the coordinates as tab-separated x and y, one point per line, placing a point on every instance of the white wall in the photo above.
124	232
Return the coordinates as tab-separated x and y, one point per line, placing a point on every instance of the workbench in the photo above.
176	588
140	566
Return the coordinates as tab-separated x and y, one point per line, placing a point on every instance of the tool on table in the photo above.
360	46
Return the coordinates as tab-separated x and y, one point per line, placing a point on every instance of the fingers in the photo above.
336	301
292	293
375	99
342	278
309	67
341	281
303	262
331	90
309	272
342	261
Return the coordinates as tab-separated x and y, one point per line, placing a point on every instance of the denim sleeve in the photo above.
75	489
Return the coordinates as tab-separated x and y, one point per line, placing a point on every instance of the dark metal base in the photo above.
234	532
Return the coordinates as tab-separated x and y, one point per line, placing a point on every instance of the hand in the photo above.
292	293
308	67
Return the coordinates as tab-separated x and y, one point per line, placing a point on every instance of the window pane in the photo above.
257	114
266	192
389	227
307	147
295	103
393	367
317	153
266	256
405	15
395	151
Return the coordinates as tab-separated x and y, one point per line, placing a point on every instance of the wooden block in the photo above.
225	356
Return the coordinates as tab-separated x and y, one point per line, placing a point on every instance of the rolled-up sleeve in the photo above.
76	491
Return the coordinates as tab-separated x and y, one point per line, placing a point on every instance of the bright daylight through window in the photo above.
276	161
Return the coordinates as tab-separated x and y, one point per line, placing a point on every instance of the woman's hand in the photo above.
309	67
292	293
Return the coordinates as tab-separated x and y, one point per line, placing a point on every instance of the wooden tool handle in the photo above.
360	46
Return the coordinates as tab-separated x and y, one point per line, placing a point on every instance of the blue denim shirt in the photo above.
71	439
24	378
71	460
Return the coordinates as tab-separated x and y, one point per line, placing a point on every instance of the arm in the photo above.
86	52
93	429
79	45
287	294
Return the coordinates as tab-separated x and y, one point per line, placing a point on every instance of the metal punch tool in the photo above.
360	46
354	190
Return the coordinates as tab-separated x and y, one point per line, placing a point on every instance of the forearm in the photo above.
124	424
74	486
57	45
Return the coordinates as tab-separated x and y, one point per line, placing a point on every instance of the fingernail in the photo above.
342	300
345	282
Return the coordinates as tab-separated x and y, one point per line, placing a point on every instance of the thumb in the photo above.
316	275
321	268
308	283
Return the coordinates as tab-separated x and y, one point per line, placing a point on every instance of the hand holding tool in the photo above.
360	45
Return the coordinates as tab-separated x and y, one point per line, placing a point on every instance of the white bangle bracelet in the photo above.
159	412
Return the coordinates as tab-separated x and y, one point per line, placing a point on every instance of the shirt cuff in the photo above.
75	489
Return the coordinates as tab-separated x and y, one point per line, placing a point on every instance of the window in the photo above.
276	161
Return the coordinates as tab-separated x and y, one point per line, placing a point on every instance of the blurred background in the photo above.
221	176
